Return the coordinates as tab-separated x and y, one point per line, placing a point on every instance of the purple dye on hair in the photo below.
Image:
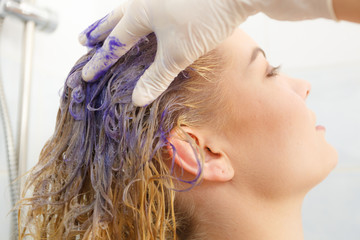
110	129
78	95
74	80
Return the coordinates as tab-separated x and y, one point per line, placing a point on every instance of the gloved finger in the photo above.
156	79
100	30
124	36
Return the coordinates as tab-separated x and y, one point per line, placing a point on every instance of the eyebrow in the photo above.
255	54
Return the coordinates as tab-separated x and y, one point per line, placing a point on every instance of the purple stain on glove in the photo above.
114	43
90	39
107	58
100	74
104	60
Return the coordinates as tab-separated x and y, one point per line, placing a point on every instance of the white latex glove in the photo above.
185	30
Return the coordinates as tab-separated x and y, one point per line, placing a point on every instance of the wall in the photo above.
324	52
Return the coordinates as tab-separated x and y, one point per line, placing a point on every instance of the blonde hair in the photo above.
103	173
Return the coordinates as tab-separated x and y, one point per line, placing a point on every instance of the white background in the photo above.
323	52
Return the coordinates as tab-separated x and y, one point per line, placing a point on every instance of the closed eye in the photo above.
273	71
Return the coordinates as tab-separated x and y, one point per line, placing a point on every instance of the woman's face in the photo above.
271	135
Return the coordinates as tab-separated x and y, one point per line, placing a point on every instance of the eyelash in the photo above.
274	71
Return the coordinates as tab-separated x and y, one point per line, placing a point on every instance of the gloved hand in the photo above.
185	30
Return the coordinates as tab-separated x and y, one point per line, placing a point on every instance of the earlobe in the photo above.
216	165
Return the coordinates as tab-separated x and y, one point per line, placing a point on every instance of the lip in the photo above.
320	128
317	127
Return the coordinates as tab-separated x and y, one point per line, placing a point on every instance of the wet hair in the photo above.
106	172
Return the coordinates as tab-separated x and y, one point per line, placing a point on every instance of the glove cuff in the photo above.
331	9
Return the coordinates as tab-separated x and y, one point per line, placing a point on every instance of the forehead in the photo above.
237	50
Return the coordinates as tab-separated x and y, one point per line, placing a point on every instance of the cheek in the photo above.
277	147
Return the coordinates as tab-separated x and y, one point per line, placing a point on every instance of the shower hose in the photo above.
10	150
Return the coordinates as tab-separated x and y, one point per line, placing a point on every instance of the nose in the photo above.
301	87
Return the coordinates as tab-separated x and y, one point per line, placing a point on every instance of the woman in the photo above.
228	151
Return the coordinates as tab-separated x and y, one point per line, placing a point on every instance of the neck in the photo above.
250	218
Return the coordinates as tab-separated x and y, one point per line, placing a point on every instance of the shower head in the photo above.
45	19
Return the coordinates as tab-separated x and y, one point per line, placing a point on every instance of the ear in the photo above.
217	166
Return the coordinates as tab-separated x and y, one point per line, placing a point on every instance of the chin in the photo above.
333	158
330	160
